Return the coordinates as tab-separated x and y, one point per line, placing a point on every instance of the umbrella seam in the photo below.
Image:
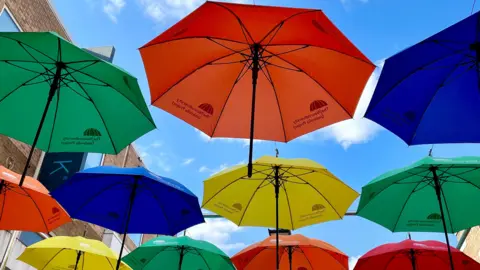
53	258
96	108
228	97
319	84
278	104
57	92
372	106
406	202
242	25
191	73
282	22
448	212
160	206
432	99
288	202
251	198
38	208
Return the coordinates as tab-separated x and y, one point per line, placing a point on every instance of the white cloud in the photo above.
213	171
113	8
217	232
352	261
160	10
245	142
188	161
152	157
357	130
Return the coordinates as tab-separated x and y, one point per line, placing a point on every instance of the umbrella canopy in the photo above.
247	71
62	252
178	253
282	193
296	252
415	255
28	207
130	200
61	98
428	93
407	199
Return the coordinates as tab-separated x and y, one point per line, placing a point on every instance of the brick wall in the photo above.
35	16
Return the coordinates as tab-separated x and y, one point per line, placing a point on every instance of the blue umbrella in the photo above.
429	93
129	200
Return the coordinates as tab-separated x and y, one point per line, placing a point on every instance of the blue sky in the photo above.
356	150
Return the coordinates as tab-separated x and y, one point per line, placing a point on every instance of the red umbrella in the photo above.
416	255
255	72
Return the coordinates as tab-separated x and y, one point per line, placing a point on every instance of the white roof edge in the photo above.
59	19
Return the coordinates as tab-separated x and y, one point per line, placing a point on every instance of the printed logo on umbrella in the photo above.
434	216
92	132
317	25
90	136
203	110
318	207
55	210
317	110
208	108
237	206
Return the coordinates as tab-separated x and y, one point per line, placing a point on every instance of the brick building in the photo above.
39	15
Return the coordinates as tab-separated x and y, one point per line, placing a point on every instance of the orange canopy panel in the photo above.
28	207
309	74
303	253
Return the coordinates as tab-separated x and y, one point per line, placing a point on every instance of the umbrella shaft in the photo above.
182	254
290	255
132	199
53	89
412	254
277	187
78	259
438	190
255	69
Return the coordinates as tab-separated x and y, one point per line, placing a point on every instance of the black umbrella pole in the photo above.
290	257
132	199
182	254
255	69
79	255
412	258
277	187
438	190
53	88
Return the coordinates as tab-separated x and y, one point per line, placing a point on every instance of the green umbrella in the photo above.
177	253
431	195
60	98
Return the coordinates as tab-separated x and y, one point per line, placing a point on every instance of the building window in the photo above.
7	24
29	238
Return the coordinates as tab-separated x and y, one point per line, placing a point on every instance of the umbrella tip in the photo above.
276	152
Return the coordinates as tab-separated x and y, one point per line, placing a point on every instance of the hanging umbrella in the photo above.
428	93
61	98
129	200
255	72
415	255
282	193
431	195
62	252
178	253
28	207
296	252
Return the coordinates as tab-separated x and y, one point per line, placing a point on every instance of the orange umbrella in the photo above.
243	71
296	252
28	207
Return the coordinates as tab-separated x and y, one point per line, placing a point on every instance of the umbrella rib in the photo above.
222	189
467	181
203	258
160	206
214	40
240	75
325	89
308	259
98	111
328	253
320	193
190	73
249	201
278	103
24	68
431	100
289	208
242	26
51	259
281	23
38	208
118	92
158	254
75	91
446	207
405	204
108	260
3	204
54	119
31	55
83	260
372	106
262	249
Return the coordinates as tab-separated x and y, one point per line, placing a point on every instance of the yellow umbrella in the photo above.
70	253
282	193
